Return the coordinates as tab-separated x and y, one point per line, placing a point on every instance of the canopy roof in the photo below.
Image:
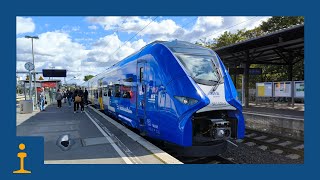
280	47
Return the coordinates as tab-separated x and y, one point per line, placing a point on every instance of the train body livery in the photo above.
176	92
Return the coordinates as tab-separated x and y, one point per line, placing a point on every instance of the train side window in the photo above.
105	91
126	92
141	74
110	91
117	91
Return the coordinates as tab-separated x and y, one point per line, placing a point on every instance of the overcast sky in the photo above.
88	45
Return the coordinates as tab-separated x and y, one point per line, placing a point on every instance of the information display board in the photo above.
54	73
264	89
282	89
299	89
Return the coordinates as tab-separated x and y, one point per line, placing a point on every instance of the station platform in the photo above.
97	138
281	119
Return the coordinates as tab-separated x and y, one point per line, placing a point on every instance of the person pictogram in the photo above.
22	156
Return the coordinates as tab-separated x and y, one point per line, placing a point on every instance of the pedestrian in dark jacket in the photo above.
69	97
81	94
59	98
86	96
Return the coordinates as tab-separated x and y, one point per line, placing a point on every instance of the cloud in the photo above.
135	24
59	50
93	27
205	27
110	49
87	54
25	25
51	49
109	22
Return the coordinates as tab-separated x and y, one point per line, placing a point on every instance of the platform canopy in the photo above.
282	47
278	48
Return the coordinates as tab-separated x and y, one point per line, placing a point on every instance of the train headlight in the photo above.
186	100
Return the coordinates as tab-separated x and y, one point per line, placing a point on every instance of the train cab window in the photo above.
203	69
141	74
117	91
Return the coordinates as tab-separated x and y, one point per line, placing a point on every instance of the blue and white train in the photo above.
176	92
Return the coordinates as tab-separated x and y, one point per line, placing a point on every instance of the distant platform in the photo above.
282	119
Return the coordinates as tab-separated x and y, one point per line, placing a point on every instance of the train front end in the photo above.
219	119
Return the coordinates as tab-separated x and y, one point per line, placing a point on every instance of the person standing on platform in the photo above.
76	100
64	96
69	97
59	98
51	96
42	99
81	94
86	96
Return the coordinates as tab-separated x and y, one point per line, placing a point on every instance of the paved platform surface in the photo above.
97	141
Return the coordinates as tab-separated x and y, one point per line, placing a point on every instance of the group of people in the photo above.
78	97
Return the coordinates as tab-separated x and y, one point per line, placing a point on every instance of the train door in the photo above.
141	95
105	98
100	87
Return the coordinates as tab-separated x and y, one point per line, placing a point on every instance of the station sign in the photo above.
252	71
54	72
264	89
282	89
299	89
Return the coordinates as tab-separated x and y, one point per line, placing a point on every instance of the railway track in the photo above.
206	160
185	160
274	143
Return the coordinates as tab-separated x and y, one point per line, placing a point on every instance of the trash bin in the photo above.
26	106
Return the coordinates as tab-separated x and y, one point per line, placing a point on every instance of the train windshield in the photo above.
202	69
201	63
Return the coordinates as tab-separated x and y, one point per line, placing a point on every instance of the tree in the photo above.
279	22
228	38
87	77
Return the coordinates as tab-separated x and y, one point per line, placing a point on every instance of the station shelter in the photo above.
282	47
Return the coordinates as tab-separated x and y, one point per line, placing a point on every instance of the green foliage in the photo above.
279	22
87	77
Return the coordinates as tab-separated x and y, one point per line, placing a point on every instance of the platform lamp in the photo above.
34	70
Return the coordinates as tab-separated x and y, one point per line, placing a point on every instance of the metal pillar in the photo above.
290	78
242	90
24	90
34	75
235	80
246	84
30	92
